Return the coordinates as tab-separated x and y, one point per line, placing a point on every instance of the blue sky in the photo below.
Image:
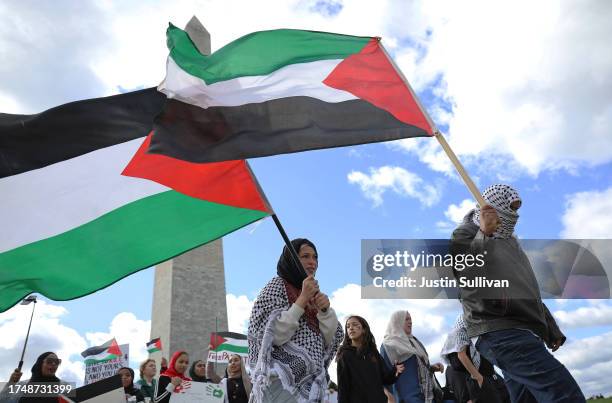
514	107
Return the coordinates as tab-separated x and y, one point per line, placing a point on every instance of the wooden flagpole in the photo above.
445	146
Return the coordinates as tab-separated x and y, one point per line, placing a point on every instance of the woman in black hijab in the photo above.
127	380
293	328
44	371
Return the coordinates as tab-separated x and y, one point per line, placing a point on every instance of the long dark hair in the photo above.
368	345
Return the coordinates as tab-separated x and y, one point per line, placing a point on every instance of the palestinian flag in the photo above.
154	345
281	91
106	352
224	344
83	204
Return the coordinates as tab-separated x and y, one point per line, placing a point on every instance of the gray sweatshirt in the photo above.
490	309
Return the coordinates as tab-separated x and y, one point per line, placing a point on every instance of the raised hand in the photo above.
488	219
310	287
321	301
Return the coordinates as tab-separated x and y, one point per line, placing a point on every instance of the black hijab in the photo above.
131	390
286	269
37	376
194	377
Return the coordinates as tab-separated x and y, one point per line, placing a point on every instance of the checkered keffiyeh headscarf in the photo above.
500	197
456	340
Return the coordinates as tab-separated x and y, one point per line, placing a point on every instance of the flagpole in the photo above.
438	135
31	298
279	226
216	331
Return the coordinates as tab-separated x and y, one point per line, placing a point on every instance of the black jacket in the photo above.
361	377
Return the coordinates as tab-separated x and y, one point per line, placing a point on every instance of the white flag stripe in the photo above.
49	201
301	79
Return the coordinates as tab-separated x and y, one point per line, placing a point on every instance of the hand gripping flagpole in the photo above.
438	135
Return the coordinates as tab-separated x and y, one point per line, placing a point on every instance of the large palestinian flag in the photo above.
83	205
281	91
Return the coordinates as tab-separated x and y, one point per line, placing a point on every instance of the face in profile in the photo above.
182	363
50	365
150	369
309	259
408	324
354	329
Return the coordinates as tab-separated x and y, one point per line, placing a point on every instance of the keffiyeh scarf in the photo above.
456	340
500	197
301	363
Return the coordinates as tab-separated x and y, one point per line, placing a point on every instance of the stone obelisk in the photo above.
189	295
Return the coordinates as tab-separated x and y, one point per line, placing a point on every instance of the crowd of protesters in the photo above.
294	335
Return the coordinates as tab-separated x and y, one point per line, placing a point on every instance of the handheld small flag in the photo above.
106	352
154	345
224	344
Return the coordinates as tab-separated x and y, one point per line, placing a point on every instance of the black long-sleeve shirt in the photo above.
361	377
161	393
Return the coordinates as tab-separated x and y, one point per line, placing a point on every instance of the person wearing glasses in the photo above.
44	370
511	327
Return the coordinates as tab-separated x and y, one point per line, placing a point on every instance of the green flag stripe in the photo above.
232	348
98	360
117	244
260	53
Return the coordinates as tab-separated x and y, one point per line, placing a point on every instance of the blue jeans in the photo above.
531	373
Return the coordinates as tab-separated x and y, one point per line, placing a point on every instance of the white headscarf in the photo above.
500	197
399	345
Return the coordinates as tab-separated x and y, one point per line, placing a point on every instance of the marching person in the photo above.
417	383
512	333
293	332
472	376
361	371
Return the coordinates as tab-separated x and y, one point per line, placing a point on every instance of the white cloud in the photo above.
395	179
126	328
589	360
587	215
105	45
599	314
9	105
238	312
518	96
47	334
455	214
